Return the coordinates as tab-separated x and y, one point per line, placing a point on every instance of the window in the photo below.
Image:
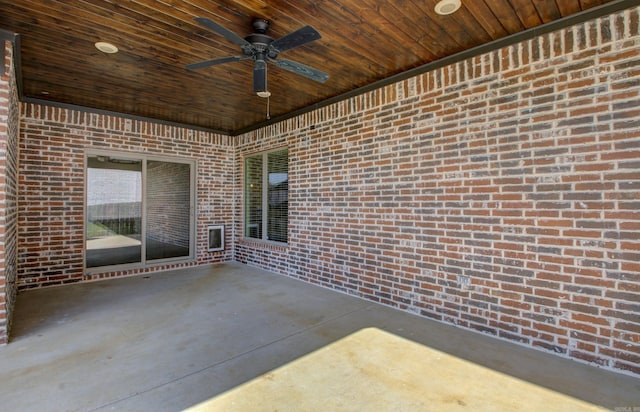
139	209
266	196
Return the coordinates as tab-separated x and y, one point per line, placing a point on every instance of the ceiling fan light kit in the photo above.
263	49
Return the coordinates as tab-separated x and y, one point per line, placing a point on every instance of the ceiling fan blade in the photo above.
302	69
224	32
214	62
294	39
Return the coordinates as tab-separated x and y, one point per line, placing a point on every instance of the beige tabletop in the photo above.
373	370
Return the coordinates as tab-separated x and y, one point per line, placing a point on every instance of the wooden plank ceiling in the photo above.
363	41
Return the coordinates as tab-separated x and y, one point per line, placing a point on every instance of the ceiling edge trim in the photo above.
17	65
581	17
85	109
7	35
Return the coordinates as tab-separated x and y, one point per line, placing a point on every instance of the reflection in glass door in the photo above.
167	234
114	211
138	210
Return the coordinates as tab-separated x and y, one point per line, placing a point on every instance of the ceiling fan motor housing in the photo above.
260	50
259	44
260	41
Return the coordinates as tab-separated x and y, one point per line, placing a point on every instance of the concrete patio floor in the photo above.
171	340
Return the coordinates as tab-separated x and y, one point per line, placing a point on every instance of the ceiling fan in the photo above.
263	49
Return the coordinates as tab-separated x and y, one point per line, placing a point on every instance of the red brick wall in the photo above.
51	212
499	194
9	123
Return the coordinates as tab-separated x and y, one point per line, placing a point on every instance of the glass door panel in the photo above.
168	210
114	211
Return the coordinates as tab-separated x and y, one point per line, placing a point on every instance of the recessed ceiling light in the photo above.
445	7
106	47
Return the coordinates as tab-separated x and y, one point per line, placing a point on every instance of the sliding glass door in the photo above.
139	210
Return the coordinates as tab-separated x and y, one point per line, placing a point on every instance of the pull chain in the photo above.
268	115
